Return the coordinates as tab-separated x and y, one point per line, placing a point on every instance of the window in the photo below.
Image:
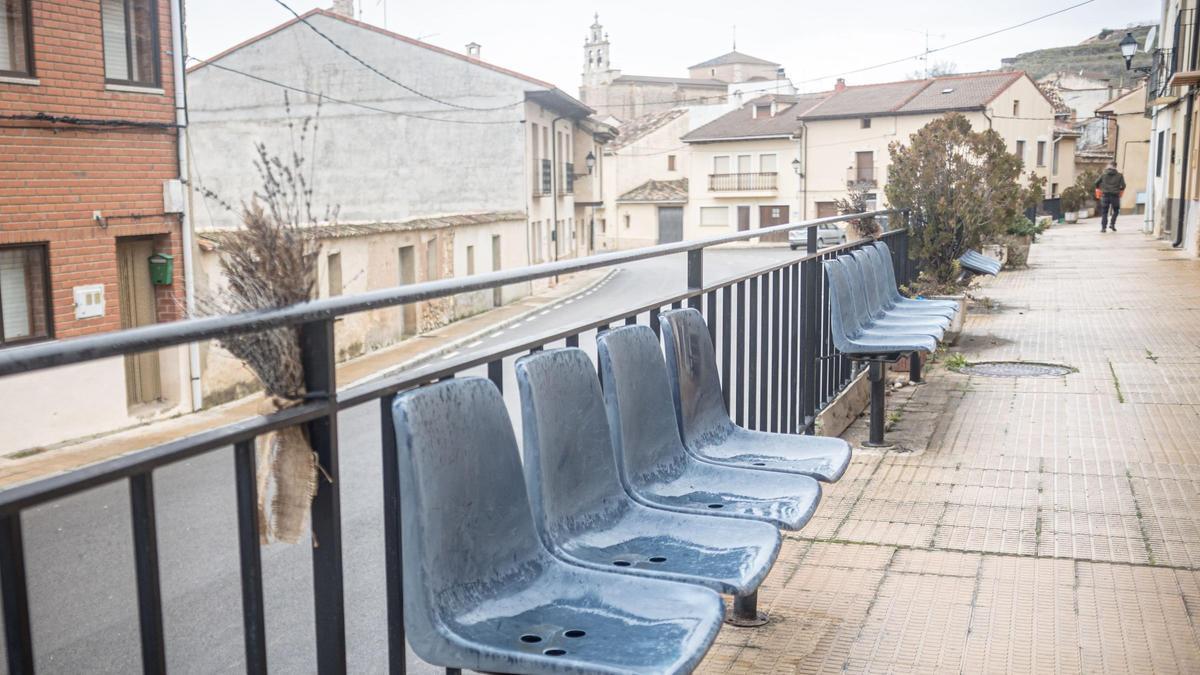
470	260
24	294
1020	151
766	163
16	43
865	123
721	164
714	216
744	163
603	225
627	221
1158	156
1016	108
334	260
762	110
130	42
1054	159
535	155
1041	153
1053	190
670	162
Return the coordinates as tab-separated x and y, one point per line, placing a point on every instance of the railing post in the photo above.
14	592
149	586
695	276
320	381
397	657
253	614
810	350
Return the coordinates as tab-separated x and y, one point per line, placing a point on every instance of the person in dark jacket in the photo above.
1109	188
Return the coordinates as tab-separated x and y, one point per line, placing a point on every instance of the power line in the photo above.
952	45
384	75
356	104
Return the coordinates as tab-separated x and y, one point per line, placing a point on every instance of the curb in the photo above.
471	337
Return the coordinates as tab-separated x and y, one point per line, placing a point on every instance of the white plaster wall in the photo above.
373	165
701	165
50	406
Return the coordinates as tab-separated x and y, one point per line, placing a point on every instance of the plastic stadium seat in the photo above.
482	592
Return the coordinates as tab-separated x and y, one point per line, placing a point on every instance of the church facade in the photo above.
625	97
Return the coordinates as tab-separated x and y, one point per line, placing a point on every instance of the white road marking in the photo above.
475	344
530	319
449	356
497	333
543	312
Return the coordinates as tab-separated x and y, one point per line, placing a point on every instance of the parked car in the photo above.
827	235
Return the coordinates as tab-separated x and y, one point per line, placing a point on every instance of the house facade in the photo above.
781	158
89	191
439	164
1131	144
1173	180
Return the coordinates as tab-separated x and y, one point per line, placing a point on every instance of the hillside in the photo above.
1097	54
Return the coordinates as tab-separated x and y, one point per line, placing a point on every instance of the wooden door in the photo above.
773	215
497	295
743	218
142	381
408	275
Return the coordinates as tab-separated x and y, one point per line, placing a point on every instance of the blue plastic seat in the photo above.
480	589
583	513
892	289
977	263
704	423
656	468
875	318
871	265
848	327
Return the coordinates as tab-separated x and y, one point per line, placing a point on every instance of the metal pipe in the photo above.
185	216
875	374
554	184
87	348
745	611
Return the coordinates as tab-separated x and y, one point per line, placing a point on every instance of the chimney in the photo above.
841	84
343	7
473	49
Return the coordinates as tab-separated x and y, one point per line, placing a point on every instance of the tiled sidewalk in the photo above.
1048	525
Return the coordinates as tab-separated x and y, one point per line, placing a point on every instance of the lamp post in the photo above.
590	161
1129	47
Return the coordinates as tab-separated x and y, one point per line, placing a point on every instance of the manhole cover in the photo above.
1015	369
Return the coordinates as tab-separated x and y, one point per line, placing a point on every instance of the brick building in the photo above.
89	189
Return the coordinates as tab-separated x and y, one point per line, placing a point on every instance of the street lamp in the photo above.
590	161
796	167
1129	47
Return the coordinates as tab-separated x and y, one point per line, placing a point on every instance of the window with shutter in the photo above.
130	42
24	294
16	50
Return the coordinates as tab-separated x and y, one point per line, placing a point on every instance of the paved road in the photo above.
80	565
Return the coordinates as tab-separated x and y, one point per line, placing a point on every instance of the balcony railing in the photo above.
729	182
770	329
860	176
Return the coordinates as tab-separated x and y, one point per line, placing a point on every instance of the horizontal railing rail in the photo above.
769	327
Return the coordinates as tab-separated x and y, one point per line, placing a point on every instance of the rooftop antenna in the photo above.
735	37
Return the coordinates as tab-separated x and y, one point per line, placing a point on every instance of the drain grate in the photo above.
1015	369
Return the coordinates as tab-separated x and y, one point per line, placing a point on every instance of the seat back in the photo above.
467	528
637	399
570	469
868	263
856	294
695	381
882	262
862	302
841	312
889	270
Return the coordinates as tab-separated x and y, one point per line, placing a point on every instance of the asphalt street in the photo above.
79	550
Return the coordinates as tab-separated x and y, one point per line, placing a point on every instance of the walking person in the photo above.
1109	188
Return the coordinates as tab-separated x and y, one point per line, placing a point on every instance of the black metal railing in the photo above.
725	182
1158	85
770	328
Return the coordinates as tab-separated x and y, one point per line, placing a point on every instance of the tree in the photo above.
962	188
936	69
855	201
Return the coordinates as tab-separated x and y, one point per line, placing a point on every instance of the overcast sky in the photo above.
544	38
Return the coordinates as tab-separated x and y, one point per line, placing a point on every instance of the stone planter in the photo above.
1085	213
956	324
995	251
1071	216
1017	248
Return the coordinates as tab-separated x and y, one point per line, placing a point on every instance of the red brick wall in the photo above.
53	176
